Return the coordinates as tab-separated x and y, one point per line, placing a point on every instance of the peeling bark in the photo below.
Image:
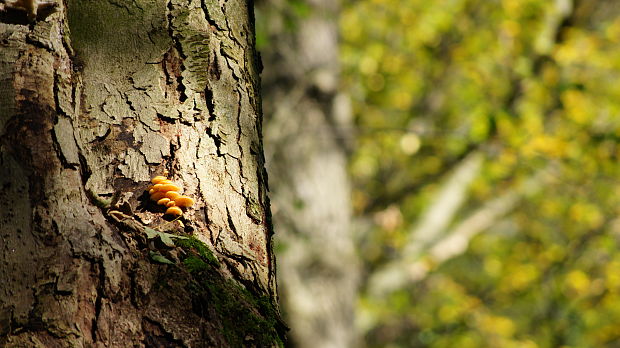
97	97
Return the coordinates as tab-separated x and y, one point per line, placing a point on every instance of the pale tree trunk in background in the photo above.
95	98
305	136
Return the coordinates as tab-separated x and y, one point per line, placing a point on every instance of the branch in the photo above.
434	221
410	268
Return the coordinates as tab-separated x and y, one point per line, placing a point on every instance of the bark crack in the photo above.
55	143
217	140
210	104
214	67
157	336
227	57
172	67
61	157
239	132
98	300
231	224
207	17
179	47
36	43
230	32
85	171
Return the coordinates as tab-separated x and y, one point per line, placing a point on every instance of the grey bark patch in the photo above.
16	240
10	35
145	77
115	107
142	104
154	148
64	136
134	167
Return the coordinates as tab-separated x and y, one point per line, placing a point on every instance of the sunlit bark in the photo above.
96	98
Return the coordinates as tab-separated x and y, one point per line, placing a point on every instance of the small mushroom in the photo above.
184	201
174	210
166	193
173	195
163	201
168	187
158	179
157	196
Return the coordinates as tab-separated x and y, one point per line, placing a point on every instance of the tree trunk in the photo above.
307	134
97	97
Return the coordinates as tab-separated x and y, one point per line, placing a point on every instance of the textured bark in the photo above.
96	97
306	132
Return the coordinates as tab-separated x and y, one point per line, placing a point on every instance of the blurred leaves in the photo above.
532	86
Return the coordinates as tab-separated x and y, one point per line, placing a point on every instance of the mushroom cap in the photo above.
168	187
158	179
163	201
174	210
184	201
156	196
173	195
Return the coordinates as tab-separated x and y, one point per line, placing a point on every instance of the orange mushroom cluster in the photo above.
166	193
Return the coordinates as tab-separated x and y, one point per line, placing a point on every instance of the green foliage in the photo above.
166	238
277	14
159	258
532	85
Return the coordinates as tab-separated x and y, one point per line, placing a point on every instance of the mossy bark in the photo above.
96	97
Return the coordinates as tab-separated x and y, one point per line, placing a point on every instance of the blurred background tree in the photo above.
484	169
307	135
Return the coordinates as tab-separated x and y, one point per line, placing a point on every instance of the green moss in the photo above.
101	202
254	210
245	318
195	264
193	243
